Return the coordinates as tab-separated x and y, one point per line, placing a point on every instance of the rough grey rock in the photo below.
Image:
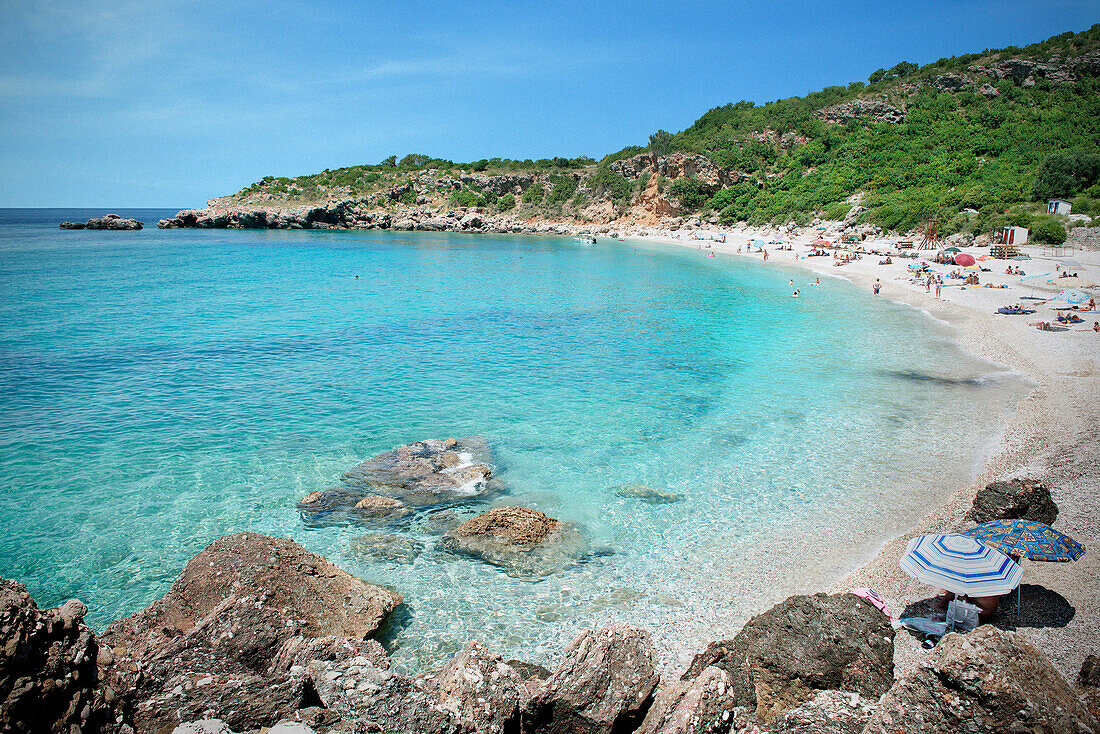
673	166
113	221
73	225
203	726
1016	499
520	540
479	690
231	637
835	712
985	681
604	685
49	674
699	705
781	658
877	110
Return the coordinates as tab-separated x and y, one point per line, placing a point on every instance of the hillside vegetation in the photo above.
973	141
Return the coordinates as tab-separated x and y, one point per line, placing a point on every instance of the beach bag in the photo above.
962	616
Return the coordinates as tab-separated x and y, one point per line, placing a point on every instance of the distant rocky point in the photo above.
108	221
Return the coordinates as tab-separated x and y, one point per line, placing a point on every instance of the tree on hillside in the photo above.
414	160
390	162
1066	174
660	141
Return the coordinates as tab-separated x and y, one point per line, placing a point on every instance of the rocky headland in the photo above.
258	633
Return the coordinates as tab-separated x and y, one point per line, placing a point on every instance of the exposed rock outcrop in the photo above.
699	705
234	632
113	221
780	658
109	221
520	540
986	681
876	109
49	674
603	686
674	165
1016	499
479	690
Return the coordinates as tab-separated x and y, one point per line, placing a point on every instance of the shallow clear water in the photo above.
161	388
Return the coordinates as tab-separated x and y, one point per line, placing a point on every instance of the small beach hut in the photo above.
1059	206
1012	236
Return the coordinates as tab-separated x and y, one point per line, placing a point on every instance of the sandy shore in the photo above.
1054	436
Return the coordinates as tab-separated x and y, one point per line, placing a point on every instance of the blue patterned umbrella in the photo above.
1027	539
961	565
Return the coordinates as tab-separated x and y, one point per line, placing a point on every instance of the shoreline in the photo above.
1050	436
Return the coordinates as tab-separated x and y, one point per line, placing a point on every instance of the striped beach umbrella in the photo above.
1027	539
961	565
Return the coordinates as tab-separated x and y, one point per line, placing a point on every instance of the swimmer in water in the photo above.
795	293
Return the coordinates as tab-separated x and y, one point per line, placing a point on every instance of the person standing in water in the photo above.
876	286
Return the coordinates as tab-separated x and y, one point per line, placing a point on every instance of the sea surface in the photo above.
159	389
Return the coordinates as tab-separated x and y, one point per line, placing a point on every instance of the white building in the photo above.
1058	206
1013	236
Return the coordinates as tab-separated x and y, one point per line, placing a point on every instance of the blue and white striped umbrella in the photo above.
960	564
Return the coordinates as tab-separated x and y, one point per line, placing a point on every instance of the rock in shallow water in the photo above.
522	541
647	494
386	547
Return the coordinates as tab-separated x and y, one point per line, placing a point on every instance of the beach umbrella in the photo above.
972	267
1071	263
952	249
1022	257
1071	297
1027	539
960	564
963	259
984	257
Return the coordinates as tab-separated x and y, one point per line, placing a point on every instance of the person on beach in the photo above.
765	255
876	286
1096	325
939	287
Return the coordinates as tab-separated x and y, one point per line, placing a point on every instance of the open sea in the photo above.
159	389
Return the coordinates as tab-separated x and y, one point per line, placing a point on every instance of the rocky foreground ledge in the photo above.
257	632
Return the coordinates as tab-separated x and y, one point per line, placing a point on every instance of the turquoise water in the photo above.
161	388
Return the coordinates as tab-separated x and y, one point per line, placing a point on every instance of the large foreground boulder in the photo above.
520	540
697	705
805	644
233	634
1017	499
604	686
986	681
49	677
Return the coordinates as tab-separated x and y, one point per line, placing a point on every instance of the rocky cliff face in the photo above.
424	202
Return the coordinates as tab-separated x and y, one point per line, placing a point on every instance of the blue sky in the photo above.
151	103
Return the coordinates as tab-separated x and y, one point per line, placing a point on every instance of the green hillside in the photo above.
956	148
975	141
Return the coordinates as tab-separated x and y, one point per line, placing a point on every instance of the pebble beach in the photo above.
1052	437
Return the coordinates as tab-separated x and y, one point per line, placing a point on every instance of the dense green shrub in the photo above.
1049	232
564	187
464	197
409	197
1065	174
506	202
689	190
533	194
606	181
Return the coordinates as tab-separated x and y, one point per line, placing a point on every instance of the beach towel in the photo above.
925	626
872	597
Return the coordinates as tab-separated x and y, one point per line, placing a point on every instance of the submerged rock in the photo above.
646	494
781	658
49	676
604	685
386	547
1017	499
393	484
984	681
520	540
231	636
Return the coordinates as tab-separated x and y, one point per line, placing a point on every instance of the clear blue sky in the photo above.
149	103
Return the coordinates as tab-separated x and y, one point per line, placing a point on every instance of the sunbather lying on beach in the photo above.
987	604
